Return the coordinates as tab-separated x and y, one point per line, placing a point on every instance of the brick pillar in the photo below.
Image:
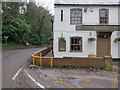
108	63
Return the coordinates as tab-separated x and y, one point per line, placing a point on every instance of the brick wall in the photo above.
71	61
95	62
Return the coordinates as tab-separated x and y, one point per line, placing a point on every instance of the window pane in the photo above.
104	16
73	15
100	21
76	16
73	11
72	47
76	22
78	19
73	18
76	41
76	44
76	11
73	22
79	47
72	40
103	13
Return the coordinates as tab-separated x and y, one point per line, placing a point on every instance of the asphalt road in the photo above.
12	61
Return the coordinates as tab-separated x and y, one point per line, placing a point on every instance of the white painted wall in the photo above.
88	47
114	45
89	18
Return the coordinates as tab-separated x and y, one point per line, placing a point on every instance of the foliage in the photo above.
17	29
26	22
91	39
117	39
109	67
62	39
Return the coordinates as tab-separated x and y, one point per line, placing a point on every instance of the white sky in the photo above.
48	4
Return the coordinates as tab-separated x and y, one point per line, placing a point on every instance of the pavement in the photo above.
65	78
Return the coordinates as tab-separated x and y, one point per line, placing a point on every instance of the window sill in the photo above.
62	51
76	24
75	51
103	24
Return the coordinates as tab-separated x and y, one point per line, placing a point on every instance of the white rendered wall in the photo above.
87	47
114	45
89	18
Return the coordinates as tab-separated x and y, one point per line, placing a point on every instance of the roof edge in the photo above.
90	4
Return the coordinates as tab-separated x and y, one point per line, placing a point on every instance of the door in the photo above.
103	44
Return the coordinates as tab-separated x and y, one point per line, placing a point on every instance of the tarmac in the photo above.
66	78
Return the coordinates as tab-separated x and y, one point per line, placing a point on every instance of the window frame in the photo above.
81	46
105	16
76	16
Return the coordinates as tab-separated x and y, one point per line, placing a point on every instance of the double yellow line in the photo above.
114	81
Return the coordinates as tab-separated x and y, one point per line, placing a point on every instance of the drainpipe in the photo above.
52	21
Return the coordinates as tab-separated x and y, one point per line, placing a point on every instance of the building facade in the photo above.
86	27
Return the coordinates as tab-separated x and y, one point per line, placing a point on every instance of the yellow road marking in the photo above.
58	81
114	81
61	82
84	80
103	78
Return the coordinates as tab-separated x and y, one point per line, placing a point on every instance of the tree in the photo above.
17	29
26	21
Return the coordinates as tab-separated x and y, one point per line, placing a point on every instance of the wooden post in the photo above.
40	59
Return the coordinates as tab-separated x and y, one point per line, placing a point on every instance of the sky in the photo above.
48	4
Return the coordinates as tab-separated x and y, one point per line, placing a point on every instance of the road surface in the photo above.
12	61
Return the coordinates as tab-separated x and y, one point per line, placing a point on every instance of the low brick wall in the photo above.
95	62
71	61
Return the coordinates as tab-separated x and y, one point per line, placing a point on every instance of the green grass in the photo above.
16	46
108	67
